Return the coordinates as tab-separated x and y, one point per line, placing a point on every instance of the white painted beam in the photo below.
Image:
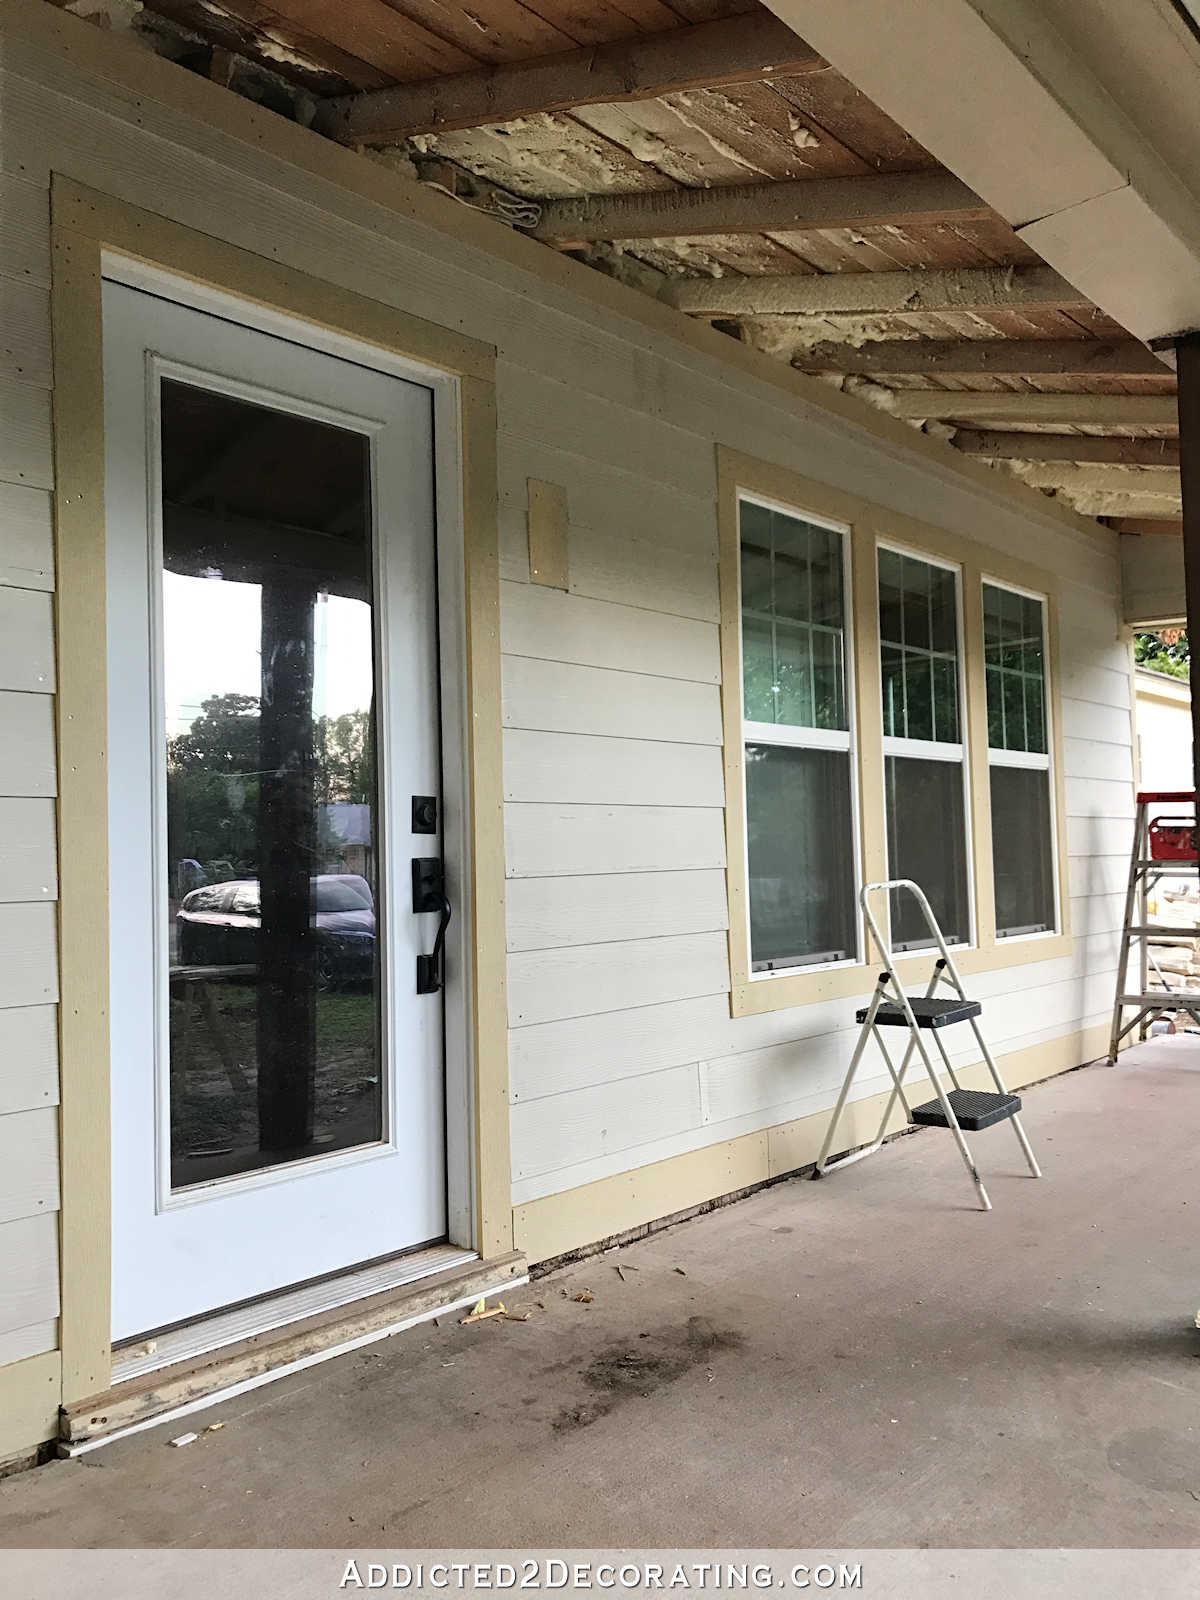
1074	118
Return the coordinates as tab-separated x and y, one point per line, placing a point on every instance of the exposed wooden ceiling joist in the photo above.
971	357
705	55
1147	525
1068	447
851	293
1068	410
895	199
1123	505
1143	483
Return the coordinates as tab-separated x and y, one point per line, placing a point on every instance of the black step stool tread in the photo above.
974	1108
938	1013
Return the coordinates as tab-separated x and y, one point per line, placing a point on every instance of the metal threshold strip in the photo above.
197	1338
189	1385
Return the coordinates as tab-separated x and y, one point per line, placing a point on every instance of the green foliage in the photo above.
1149	651
213	783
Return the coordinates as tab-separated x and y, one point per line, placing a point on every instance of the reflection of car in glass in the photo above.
219	926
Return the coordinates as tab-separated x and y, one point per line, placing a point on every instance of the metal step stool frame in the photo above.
889	987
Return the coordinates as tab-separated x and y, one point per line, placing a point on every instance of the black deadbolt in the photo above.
424	813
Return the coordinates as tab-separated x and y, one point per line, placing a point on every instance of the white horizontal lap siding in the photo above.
550	625
29	1175
28	1058
544	913
27	757
26	537
613	820
603	1120
547	985
562	698
560	840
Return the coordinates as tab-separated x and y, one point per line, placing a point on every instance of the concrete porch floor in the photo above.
867	1361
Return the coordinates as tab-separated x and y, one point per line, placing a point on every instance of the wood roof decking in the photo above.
691	180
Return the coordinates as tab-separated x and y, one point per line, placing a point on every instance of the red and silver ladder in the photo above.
930	1013
1164	846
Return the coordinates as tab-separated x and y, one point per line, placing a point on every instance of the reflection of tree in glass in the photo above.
213	780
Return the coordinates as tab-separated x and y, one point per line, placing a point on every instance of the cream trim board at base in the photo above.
87	228
569	1220
871	526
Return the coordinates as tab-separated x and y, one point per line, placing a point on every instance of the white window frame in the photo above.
1031	760
933	749
786	735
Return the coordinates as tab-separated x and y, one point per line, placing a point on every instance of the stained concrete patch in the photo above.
1157	1460
622	1373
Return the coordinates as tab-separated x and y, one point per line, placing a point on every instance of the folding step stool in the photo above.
1163	847
891	1006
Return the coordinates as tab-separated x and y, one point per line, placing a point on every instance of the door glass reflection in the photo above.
271	786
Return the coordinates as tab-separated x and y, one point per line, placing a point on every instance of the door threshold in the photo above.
192	1385
196	1338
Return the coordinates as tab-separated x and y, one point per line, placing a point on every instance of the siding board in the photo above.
544	913
558	698
26	538
27	757
28	955
28	850
549	985
545	841
26	451
540	622
26	641
28	1058
24	231
599	771
25	340
28	1164
28	1271
559	1131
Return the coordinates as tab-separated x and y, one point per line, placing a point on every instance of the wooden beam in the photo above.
1150	483
1068	447
968	357
1120	505
897	199
1147	525
1066	410
853	293
731	50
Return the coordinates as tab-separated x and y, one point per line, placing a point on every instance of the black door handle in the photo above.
429	894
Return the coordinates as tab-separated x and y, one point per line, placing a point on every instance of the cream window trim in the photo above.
870	526
953	753
1048	761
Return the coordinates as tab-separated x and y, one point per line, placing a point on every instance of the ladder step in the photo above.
1154	931
929	1013
974	1108
1165	997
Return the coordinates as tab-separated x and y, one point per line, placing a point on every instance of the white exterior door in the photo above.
278	1097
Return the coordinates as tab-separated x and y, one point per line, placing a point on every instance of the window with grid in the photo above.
923	744
1014	643
801	850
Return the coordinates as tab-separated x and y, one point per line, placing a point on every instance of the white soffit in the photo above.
1058	114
